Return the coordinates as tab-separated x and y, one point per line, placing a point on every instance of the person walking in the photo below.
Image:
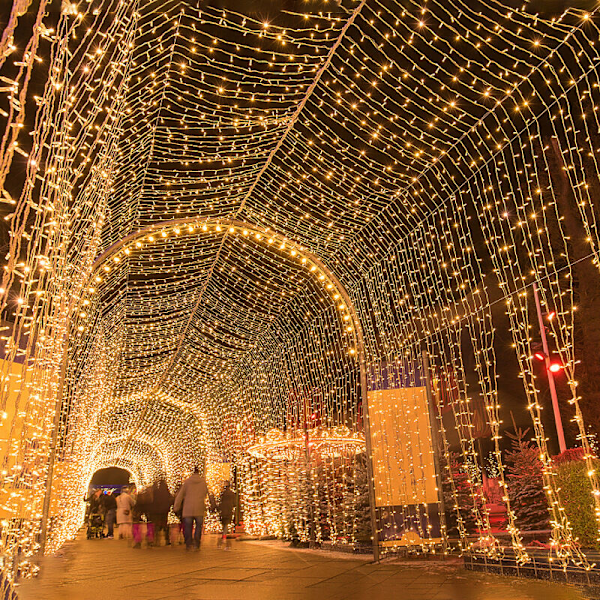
125	504
140	527
93	502
94	514
159	509
191	501
110	513
226	510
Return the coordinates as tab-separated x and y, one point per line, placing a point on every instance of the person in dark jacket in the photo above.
162	500
93	503
141	510
226	510
109	503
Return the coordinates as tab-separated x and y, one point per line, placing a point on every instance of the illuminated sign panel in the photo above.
406	496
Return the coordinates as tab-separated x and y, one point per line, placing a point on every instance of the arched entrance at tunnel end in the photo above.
111	477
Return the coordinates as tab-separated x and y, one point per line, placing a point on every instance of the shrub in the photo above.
576	496
568	455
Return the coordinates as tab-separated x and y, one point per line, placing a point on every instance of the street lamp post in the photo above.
557	419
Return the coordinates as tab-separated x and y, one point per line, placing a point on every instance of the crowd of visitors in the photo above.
144	514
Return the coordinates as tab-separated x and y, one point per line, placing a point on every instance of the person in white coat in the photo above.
191	502
125	504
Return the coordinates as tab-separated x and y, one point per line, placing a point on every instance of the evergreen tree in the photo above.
464	497
526	484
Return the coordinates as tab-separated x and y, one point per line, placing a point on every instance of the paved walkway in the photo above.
99	569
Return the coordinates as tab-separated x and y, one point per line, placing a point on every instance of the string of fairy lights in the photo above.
227	232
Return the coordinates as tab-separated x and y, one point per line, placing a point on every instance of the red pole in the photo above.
557	419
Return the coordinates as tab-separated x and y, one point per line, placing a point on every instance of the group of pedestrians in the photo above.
190	506
146	513
150	514
101	511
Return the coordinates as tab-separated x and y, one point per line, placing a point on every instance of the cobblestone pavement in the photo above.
111	569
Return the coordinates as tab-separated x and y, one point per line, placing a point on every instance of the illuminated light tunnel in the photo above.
314	254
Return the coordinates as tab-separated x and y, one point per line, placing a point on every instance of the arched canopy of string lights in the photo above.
275	237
